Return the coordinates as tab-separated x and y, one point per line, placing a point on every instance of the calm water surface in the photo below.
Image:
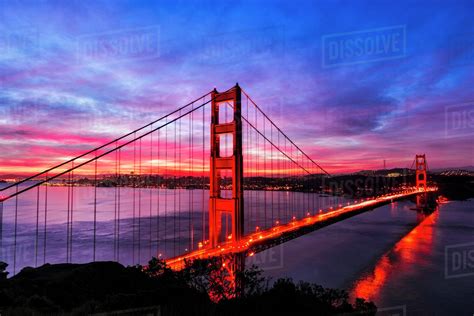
132	225
391	255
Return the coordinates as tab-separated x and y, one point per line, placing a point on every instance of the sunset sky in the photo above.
62	92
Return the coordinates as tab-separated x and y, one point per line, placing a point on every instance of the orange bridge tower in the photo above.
218	205
421	177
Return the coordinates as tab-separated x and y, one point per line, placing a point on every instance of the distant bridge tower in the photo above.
219	206
421	176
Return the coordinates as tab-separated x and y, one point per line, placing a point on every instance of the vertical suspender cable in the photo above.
158	183
134	199
45	217
140	184
179	179
280	178
191	197
72	213
116	202
149	187
37	224
119	200
257	215
166	188
95	209
264	175
250	157
68	215
15	232
203	176
174	194
273	176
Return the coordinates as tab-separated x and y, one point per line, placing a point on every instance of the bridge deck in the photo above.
265	239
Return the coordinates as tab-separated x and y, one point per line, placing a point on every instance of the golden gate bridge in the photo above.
178	190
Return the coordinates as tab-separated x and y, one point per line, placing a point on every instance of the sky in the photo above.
352	83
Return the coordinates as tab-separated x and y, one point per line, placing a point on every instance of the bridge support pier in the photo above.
219	205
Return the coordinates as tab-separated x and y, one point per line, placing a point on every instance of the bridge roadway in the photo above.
261	240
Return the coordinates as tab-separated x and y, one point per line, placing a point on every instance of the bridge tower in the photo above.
421	176
218	205
421	180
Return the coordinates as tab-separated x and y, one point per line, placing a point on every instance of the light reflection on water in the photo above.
391	255
413	249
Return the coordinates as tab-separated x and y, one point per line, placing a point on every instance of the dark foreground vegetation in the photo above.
202	288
